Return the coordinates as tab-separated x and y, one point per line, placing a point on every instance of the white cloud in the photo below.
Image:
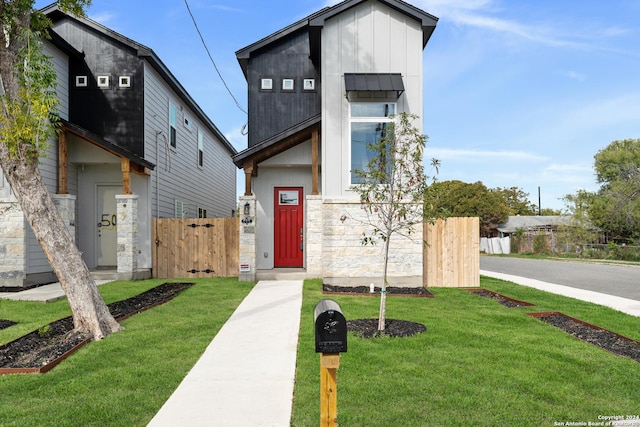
492	16
104	17
483	155
567	167
225	8
236	138
574	75
618	111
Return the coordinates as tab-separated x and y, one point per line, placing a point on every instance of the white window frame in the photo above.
82	81
103	81
173	125
371	119
124	81
200	151
181	210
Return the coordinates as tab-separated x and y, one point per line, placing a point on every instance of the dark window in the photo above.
200	148
173	120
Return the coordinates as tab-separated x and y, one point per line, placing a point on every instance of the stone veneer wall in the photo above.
314	231
248	239
66	204
13	262
346	261
127	240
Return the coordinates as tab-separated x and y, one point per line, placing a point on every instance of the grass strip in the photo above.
479	363
124	379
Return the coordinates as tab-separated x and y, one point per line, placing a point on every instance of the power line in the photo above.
211	58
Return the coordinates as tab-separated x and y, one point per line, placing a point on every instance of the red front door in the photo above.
288	230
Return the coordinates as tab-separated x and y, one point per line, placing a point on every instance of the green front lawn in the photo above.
124	379
478	364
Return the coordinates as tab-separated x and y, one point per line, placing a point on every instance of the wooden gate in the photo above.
452	253
190	247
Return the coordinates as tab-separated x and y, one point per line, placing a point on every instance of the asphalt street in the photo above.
614	279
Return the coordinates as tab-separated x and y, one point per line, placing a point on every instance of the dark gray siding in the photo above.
115	113
271	112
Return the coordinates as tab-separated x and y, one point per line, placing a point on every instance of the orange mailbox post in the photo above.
331	340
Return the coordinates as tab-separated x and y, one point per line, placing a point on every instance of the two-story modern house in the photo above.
133	145
318	91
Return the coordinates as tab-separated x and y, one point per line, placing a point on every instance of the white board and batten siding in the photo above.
369	38
177	176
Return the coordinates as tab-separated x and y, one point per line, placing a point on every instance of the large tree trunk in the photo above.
90	313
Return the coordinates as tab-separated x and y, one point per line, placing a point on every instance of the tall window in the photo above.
200	148
173	121
181	209
369	122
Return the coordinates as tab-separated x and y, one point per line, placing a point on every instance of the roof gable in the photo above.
55	14
428	22
314	23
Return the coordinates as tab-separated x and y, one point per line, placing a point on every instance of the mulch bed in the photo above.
40	350
368	328
603	338
4	324
504	300
365	291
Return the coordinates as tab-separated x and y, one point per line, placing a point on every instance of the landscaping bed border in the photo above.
516	302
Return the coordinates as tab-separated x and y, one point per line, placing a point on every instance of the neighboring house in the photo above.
133	146
533	224
318	90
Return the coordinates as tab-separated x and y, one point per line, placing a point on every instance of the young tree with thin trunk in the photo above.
392	188
27	124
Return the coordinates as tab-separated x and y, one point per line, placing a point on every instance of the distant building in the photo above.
533	224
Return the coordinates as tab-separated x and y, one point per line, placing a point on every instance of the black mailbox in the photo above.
331	327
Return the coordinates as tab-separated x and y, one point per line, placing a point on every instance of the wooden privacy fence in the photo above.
452	253
190	247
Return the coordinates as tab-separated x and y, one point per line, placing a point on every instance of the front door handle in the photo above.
301	239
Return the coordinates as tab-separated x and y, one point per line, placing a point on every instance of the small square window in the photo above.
266	84
309	84
103	81
288	84
187	122
124	81
82	81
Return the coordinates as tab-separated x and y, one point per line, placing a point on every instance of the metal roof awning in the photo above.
374	82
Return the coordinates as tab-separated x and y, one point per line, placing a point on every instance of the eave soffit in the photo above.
278	143
104	144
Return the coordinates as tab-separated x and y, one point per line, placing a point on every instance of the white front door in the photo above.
106	225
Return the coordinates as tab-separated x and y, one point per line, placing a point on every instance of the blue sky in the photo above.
517	93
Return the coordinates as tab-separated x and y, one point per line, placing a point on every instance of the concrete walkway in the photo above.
246	375
625	305
46	293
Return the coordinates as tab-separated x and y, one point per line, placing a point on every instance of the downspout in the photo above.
158	132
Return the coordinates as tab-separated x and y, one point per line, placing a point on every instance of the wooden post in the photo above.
126	175
329	363
248	173
63	163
